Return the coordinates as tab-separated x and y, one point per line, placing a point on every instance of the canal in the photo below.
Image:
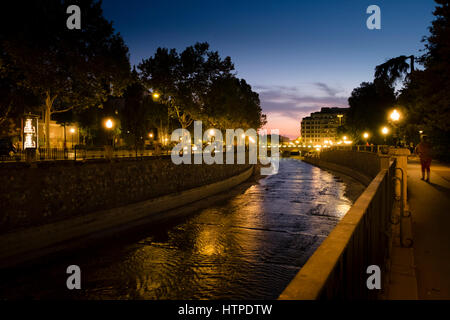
247	247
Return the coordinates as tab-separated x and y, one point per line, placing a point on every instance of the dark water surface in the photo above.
248	247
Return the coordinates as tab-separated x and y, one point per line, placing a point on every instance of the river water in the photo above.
248	247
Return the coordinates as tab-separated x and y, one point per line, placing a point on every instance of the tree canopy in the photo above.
369	105
197	84
65	68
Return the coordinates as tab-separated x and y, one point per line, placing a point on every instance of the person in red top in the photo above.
424	149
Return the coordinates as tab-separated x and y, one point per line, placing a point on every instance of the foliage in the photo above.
66	69
369	106
231	103
183	80
426	95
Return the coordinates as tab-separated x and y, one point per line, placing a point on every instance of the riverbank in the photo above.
30	243
247	246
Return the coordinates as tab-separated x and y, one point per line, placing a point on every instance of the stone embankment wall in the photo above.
363	166
52	191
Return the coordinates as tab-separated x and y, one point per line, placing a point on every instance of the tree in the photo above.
369	105
183	80
136	113
66	69
393	69
426	95
231	103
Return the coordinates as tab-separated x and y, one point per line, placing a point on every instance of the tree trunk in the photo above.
47	126
48	110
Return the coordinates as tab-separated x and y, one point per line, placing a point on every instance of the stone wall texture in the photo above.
367	163
52	191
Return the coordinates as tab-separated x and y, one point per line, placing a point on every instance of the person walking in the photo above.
423	149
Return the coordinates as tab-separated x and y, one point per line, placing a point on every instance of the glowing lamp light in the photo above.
109	124
150	135
385	130
72	130
156	95
395	115
365	135
344	137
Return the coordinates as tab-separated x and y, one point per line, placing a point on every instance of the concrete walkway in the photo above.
430	208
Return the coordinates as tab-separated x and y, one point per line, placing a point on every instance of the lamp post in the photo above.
109	124
366	137
394	116
72	131
384	131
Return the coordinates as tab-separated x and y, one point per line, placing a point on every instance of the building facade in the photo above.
321	128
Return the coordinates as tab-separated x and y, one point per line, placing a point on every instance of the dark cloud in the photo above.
327	89
291	102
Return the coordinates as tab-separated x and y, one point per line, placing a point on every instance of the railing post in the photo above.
401	156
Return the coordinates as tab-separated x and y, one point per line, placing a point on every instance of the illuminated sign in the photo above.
30	132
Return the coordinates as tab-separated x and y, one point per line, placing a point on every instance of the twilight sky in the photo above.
298	55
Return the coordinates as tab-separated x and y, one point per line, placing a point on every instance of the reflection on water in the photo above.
248	247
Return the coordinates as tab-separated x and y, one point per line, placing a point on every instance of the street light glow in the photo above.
395	115
155	95
365	135
109	124
385	130
72	130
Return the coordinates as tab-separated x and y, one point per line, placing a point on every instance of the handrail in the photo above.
337	269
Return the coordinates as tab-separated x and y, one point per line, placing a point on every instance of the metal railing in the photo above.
362	148
79	153
338	268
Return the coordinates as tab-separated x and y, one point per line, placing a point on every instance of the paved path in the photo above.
430	208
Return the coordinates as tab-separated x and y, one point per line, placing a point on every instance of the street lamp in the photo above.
395	115
384	131
366	136
72	131
155	95
109	124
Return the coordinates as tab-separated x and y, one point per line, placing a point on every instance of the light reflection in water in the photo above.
248	247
